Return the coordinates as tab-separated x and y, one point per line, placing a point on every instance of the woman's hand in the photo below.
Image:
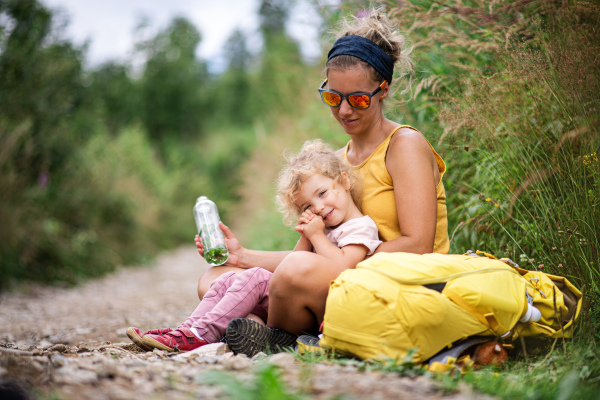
233	246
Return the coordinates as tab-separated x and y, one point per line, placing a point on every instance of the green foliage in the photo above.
174	83
404	367
510	92
234	97
117	97
266	385
571	375
101	167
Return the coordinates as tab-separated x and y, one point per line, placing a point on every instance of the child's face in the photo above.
327	198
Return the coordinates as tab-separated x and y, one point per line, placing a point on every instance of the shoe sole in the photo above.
154	344
245	336
308	344
137	339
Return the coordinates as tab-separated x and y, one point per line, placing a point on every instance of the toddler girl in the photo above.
319	191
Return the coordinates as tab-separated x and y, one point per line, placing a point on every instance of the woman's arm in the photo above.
245	258
411	164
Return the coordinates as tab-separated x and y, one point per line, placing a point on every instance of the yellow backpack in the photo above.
395	302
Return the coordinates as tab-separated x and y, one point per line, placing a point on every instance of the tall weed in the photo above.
514	89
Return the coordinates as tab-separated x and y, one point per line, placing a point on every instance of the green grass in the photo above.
267	384
550	372
574	374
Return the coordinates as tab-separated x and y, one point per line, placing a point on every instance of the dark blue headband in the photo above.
367	51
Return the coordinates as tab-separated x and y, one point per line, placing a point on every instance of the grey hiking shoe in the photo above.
245	336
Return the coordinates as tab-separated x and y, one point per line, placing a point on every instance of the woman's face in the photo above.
355	80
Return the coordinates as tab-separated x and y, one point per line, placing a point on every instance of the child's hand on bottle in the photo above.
233	245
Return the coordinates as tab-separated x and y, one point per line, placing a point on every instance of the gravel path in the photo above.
71	344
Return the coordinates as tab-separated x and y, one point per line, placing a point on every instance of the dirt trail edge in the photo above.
71	344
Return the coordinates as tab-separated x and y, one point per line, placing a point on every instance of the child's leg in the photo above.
248	290
214	294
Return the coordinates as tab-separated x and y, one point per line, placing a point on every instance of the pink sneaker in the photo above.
136	335
181	339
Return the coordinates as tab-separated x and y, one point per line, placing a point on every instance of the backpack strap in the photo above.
488	320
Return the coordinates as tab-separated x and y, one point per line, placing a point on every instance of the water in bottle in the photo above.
207	222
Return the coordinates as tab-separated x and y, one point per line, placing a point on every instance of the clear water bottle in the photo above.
213	240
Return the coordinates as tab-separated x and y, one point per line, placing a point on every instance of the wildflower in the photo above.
523	257
497	205
488	200
43	179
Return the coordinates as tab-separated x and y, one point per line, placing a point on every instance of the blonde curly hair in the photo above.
315	157
375	26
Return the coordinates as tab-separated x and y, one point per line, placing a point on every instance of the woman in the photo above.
402	179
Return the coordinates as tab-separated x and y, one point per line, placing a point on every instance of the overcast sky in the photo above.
109	24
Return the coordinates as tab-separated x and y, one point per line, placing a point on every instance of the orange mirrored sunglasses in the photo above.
360	101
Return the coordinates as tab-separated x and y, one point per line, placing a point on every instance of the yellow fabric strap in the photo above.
437	279
488	320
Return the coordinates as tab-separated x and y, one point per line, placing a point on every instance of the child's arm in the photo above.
347	256
303	243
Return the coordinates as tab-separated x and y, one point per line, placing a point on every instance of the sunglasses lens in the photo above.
359	101
331	99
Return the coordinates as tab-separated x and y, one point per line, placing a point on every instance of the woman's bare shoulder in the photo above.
408	140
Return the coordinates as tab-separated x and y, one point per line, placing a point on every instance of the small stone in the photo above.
134	362
69	376
259	356
58	361
282	359
61	348
160	353
238	362
209	350
210	360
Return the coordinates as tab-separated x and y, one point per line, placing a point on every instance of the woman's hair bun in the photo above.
374	25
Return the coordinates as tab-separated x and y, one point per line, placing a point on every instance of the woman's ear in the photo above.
385	91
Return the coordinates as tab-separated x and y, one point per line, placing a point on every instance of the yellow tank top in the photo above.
379	201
